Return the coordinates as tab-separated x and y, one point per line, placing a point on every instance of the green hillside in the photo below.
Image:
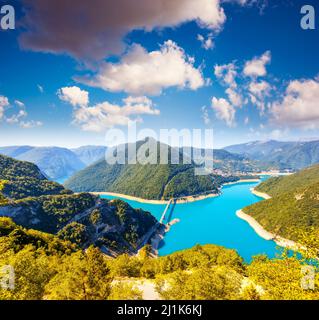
278	185
83	219
34	202
47	268
148	181
19	179
294	206
17	237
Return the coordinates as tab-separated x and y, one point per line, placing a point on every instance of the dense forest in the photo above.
84	219
159	181
19	179
47	267
294	206
279	185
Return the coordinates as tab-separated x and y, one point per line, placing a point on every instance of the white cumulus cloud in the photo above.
235	98
205	115
19	103
4	102
224	110
147	73
208	42
30	124
257	66
300	105
74	95
105	115
227	74
15	118
40	88
259	91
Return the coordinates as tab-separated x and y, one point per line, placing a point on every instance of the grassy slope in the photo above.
20	179
294	206
16	236
279	185
146	181
40	204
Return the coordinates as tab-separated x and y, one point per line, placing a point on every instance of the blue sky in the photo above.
161	72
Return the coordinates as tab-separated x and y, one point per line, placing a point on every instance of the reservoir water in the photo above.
212	221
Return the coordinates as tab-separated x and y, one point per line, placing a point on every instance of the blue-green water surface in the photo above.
213	221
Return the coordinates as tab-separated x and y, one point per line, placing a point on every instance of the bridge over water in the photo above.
165	216
166	211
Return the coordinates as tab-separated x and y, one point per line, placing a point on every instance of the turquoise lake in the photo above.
212	221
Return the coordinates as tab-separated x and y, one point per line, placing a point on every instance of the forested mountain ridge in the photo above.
282	184
34	202
294	206
19	179
56	163
149	181
228	162
59	164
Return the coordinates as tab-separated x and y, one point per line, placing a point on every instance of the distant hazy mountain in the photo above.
284	155
15	151
56	163
260	149
90	154
234	162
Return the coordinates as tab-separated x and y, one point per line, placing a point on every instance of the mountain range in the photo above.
282	155
154	181
59	164
56	163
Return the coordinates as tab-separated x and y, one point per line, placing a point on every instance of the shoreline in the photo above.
263	233
274	173
127	197
160	235
182	200
241	181
260	194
